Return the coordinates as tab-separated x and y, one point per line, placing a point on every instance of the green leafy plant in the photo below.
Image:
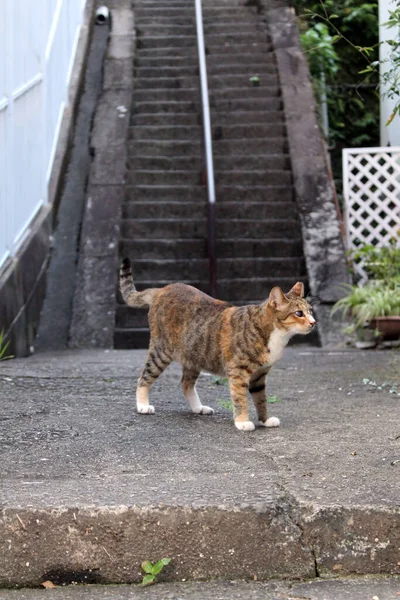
340	38
225	404
3	348
220	380
255	80
273	399
151	571
374	299
379	263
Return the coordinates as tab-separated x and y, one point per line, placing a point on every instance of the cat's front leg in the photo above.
238	386
259	397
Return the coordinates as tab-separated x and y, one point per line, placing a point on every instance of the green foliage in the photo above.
3	348
350	28
379	263
273	399
255	80
227	404
220	380
374	299
380	295
151	571
317	43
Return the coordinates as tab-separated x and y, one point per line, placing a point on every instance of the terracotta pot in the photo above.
388	326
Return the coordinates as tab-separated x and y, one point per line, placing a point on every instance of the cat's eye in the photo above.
299	313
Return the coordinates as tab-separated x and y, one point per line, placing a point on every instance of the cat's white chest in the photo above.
276	345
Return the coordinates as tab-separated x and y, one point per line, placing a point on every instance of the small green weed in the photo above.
151	571
255	80
273	399
392	388
224	403
3	348
220	380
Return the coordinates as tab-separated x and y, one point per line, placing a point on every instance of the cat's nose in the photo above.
312	321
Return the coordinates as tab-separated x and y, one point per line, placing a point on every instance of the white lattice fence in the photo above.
371	189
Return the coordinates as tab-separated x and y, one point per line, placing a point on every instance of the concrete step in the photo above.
186	45
153	177
222	147
227	268
184	193
194	229
147	42
165	70
170	95
173	107
186	19
247	117
195	177
248	131
214	71
174	132
131	338
239	163
163	248
167	53
261	68
214	61
167	119
219	132
232	49
198	210
215	82
174	27
252	178
180	248
232	105
172	11
250	92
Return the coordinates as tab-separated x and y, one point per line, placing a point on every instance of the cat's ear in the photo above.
297	290
277	299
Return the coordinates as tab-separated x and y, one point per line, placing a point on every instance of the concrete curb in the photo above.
61	281
108	544
322	239
94	301
90	489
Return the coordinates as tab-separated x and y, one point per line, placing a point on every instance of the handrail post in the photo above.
208	150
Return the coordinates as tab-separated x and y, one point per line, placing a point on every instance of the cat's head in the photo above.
291	311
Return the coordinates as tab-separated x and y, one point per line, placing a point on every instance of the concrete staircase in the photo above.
164	227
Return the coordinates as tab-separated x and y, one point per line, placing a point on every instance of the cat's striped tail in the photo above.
129	293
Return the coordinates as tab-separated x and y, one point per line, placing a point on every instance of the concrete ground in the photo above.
89	489
365	588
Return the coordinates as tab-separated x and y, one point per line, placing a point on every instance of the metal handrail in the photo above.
212	257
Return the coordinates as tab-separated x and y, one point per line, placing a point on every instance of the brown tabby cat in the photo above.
204	334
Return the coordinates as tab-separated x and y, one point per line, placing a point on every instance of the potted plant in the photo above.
374	306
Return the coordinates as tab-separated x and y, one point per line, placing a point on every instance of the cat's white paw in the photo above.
145	409
203	410
245	425
271	422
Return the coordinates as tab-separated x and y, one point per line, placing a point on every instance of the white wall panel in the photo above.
38	42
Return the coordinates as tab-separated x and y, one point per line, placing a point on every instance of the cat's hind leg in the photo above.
188	382
257	391
157	361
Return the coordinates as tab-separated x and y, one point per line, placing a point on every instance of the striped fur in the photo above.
204	334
